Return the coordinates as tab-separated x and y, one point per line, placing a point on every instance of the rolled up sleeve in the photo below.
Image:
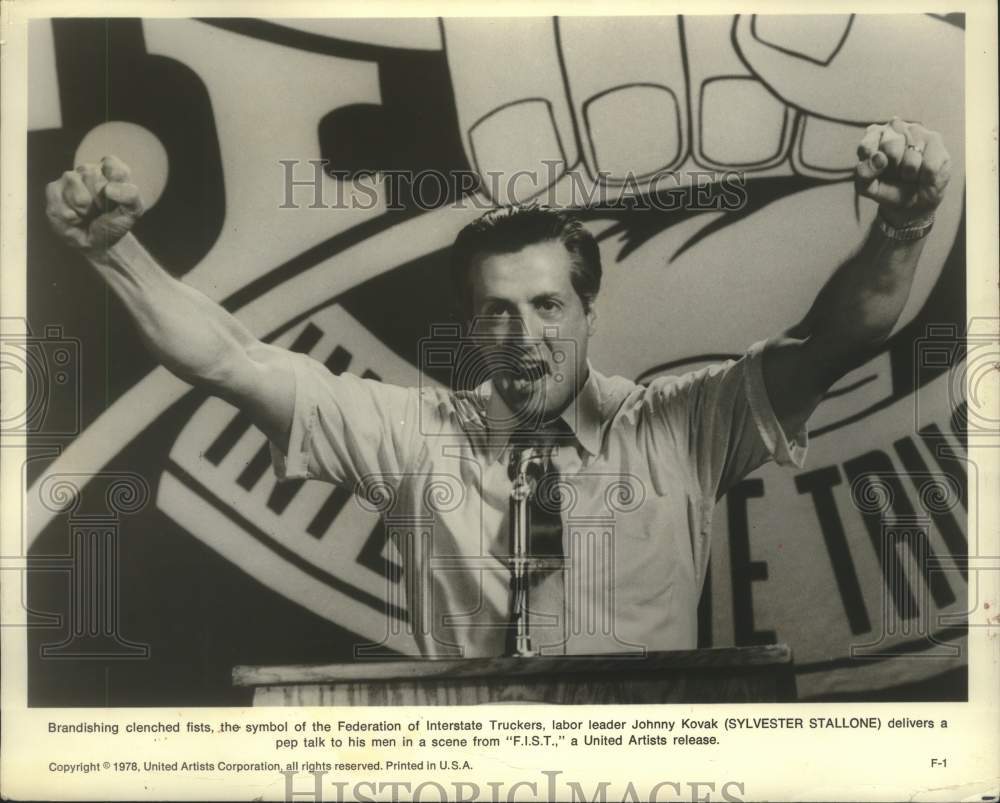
296	463
722	418
344	427
784	450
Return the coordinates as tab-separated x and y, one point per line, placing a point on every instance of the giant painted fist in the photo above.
904	167
93	206
782	100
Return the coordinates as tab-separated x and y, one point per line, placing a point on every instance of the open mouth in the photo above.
530	370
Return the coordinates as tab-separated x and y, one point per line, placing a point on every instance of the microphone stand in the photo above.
522	463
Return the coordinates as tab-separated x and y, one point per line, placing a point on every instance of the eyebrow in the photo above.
554	294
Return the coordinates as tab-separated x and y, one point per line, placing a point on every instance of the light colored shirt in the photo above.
642	477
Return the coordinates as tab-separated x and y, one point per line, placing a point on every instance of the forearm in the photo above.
860	304
904	168
190	335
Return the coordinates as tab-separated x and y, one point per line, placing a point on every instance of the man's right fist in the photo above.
94	206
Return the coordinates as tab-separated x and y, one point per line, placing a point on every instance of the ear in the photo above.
591	320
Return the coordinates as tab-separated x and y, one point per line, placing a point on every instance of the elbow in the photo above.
215	369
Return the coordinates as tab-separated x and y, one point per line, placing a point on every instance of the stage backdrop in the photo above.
162	500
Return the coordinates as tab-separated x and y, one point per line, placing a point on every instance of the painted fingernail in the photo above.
518	125
649	143
812	38
517	150
824	147
633	110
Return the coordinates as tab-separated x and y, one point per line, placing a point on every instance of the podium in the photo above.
719	675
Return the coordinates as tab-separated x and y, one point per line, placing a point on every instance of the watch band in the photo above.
914	230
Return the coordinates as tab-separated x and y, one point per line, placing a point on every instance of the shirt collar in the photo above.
582	416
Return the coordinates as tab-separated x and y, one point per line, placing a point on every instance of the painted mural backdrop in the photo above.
207	563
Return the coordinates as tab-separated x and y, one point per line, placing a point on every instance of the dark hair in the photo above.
510	228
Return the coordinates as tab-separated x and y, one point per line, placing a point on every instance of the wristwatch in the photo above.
913	230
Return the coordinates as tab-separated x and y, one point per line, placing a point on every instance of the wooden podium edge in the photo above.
728	659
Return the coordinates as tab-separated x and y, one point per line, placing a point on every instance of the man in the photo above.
624	477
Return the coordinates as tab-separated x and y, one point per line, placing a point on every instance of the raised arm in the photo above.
904	168
93	209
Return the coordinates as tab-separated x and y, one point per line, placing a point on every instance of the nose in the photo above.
525	329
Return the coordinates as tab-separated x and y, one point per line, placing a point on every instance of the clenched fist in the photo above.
905	168
93	206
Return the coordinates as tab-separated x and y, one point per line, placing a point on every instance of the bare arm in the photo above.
904	168
93	208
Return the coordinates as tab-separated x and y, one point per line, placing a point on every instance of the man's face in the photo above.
535	325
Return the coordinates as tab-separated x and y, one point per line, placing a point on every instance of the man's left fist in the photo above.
903	167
